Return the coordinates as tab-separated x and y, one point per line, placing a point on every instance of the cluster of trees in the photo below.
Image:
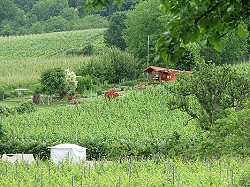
40	16
131	30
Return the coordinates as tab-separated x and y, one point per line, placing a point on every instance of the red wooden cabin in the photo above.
155	73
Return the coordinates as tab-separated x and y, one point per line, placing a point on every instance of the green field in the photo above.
155	172
24	58
138	123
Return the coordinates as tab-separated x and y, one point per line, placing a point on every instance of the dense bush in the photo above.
230	136
86	50
25	107
112	65
86	83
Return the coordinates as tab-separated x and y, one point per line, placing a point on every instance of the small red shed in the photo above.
155	73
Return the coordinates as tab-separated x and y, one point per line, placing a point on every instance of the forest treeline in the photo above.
21	17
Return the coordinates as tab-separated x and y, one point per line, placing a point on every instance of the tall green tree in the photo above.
7	10
231	135
45	9
53	80
145	20
25	5
12	18
113	35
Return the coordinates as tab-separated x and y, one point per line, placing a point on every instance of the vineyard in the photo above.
138	123
32	54
34	46
28	71
133	138
153	172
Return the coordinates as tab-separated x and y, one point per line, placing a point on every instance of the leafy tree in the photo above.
25	5
143	21
112	65
69	14
55	24
89	22
233	48
7	10
11	18
47	8
113	35
209	91
53	80
200	21
37	28
114	7
187	61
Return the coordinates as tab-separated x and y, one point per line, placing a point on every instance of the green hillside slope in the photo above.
19	47
23	58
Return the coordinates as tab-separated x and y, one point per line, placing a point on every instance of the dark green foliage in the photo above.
53	80
39	149
48	8
7	10
55	24
143	22
11	18
85	83
245	180
113	35
233	48
25	5
231	135
186	62
112	65
88	49
113	7
25	107
209	91
200	21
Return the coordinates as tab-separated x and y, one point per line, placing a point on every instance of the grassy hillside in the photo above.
23	58
33	46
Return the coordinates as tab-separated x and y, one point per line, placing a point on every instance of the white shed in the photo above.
64	152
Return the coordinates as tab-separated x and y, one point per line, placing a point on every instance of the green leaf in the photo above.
164	55
217	46
241	30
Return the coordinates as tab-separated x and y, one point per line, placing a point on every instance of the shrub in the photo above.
26	107
88	49
112	93
113	66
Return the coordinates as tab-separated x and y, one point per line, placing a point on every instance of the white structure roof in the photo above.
67	146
